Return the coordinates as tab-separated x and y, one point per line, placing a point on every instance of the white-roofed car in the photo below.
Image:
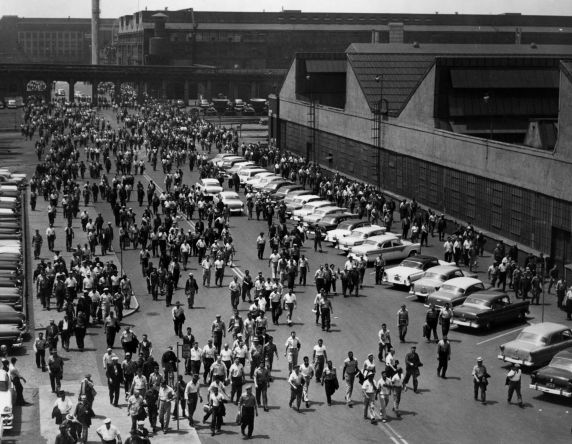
246	174
7	396
239	166
358	236
454	292
232	199
537	344
410	269
320	213
260	184
345	228
433	278
309	208
296	202
389	245
209	187
252	181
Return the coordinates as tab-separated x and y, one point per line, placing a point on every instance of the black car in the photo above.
556	377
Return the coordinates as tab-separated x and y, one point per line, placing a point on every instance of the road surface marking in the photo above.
500	336
411	296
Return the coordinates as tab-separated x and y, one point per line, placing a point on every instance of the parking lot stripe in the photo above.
500	336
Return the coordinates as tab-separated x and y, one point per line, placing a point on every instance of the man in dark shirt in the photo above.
412	364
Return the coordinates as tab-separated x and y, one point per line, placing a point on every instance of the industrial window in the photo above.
496	205
515	211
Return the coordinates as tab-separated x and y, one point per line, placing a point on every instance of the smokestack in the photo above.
95	32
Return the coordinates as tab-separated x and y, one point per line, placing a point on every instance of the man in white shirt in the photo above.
369	388
166	395
290	304
296	381
108	433
293	345
319	358
307	371
192	395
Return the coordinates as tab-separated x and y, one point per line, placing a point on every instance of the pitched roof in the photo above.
401	75
404	66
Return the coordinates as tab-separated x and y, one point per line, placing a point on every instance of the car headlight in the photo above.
7	409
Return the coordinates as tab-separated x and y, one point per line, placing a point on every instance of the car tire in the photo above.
413	253
521	317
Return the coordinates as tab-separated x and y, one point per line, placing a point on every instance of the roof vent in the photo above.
415	44
533	45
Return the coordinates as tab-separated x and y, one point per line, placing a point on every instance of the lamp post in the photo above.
487	100
380	113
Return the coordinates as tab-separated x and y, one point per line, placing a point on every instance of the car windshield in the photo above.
478	302
562	364
533	338
345	225
411	264
435	276
452	289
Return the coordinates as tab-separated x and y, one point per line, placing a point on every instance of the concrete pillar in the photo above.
163	93
253	92
117	91
186	92
71	84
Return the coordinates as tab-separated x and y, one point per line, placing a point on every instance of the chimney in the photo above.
95	32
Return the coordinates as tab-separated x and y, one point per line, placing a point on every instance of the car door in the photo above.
398	249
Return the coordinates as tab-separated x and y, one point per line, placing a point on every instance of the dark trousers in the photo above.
402	332
208	363
247	421
325	318
128	382
483	386
55	381
41	359
114	389
514	386
262	392
192	406
443	364
216	422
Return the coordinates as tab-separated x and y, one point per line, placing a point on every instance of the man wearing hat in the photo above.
513	378
480	380
191	289
83	416
218	330
115	378
108	433
248	410
412	364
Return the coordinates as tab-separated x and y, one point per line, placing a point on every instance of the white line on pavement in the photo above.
500	336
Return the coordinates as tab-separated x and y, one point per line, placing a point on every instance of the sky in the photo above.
116	8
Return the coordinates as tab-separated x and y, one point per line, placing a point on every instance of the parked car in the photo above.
309	208
332	222
409	270
246	174
287	191
358	236
296	202
228	161
345	228
209	187
254	180
232	199
455	291
389	245
433	278
320	213
10	316
239	105
556	377
248	110
274	186
537	344
260	184
487	308
7	396
11	296
12	104
237	167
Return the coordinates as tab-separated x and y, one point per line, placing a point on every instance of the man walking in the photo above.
261	382
108	433
192	396
412	364
480	380
40	345
166	395
56	371
115	378
402	322
248	409
178	314
513	378
296	382
443	356
348	374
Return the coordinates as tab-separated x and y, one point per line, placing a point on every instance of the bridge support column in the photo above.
253	89
71	84
117	92
186	88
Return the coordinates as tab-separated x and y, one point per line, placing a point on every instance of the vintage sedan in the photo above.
10	316
358	236
11	296
333	221
7	396
209	187
11	336
556	377
433	278
288	191
537	344
455	291
345	228
390	245
409	270
487	308
320	213
232	199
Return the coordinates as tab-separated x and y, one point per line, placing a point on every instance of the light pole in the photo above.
488	101
380	115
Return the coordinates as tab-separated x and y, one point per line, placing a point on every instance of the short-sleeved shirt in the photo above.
320	350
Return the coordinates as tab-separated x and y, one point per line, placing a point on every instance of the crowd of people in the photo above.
83	159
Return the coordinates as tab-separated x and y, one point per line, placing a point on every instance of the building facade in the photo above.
415	146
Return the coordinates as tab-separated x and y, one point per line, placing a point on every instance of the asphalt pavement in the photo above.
442	412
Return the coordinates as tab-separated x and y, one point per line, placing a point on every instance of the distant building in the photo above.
481	133
262	40
53	40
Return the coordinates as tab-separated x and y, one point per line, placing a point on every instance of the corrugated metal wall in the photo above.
519	214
